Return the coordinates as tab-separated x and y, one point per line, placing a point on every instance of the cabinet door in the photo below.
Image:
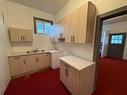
32	63
65	75
55	60
68	32
74	81
82	22
44	60
17	65
74	26
27	35
15	34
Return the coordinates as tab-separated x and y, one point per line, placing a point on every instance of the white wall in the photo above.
108	5
120	27
81	50
104	40
71	6
4	68
22	17
103	6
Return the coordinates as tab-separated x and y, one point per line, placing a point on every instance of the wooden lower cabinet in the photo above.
17	65
44	60
77	82
24	64
39	61
32	63
70	78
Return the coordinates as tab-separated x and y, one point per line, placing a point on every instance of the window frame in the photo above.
40	19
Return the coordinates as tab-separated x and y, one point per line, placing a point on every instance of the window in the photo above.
42	26
117	39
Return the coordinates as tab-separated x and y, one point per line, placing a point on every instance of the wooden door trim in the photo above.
97	41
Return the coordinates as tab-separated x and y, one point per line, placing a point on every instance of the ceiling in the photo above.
115	20
50	6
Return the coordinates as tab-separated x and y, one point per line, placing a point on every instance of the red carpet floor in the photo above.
112	80
41	83
112	77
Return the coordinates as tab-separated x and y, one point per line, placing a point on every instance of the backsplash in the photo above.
81	50
39	41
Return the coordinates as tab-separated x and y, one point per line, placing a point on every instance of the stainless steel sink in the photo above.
35	51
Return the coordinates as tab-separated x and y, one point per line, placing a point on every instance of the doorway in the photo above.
99	25
97	42
116	45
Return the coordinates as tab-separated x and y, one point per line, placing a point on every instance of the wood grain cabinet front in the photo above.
44	60
79	25
29	63
32	63
69	77
77	82
38	61
20	35
17	65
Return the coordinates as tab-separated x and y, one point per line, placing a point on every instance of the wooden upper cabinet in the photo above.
79	25
20	35
15	35
61	25
75	25
28	35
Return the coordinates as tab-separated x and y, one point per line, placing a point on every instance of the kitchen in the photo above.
36	40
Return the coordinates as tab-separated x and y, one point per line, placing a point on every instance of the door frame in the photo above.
97	40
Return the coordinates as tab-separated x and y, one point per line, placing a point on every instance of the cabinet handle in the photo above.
3	18
24	61
38	59
66	72
73	39
23	38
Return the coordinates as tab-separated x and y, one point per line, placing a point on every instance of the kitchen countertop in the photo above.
24	53
76	62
